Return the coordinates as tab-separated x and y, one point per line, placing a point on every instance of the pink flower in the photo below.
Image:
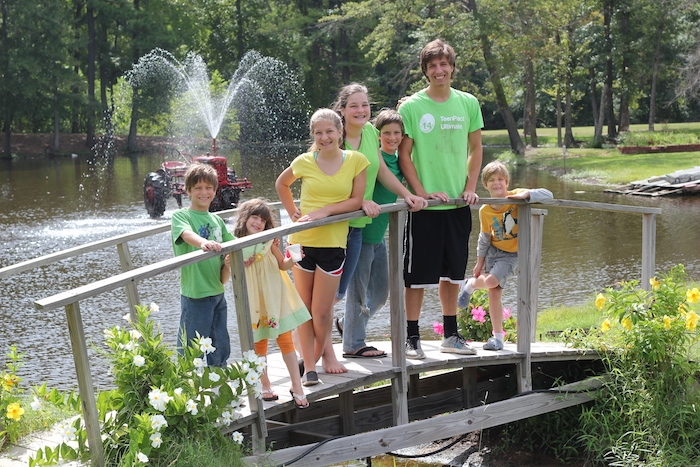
479	314
506	313
438	328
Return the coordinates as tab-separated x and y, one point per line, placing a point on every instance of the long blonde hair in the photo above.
329	116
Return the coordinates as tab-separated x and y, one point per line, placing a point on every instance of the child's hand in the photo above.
370	208
441	195
227	260
416	202
525	194
295	216
477	269
470	197
211	245
321	213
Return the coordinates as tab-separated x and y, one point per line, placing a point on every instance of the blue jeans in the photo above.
207	316
352	254
367	293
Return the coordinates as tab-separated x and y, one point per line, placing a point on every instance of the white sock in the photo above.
468	286
498	336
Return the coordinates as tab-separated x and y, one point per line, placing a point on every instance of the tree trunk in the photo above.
516	144
90	130
56	125
7	149
568	131
625	52
530	109
240	30
609	109
559	142
598	132
655	71
131	144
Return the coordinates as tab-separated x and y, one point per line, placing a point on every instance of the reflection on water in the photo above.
53	204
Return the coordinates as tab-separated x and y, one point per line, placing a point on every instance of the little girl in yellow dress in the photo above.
275	306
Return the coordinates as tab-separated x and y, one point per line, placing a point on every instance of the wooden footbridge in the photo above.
380	404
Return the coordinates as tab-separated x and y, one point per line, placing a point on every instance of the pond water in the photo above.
53	204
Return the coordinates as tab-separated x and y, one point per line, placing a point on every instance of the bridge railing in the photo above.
529	240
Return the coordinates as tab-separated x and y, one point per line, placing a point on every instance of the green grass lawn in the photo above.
607	164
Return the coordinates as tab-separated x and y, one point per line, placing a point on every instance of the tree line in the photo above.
531	63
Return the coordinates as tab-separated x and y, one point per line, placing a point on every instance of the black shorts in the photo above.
436	246
328	260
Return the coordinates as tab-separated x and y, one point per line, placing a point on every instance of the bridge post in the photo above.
85	385
132	293
245	333
536	259
648	249
524	302
399	382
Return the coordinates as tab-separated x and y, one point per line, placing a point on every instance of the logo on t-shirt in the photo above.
427	123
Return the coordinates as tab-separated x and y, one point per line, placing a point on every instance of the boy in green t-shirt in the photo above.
204	309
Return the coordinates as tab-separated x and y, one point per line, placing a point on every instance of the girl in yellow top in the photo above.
333	182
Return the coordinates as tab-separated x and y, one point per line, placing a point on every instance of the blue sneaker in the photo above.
456	344
464	296
493	344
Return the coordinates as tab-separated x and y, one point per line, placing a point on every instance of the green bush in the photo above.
474	323
162	403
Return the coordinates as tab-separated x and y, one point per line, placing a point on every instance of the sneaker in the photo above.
456	344
493	344
464	296
413	349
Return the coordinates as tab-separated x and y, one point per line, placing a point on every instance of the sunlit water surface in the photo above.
52	204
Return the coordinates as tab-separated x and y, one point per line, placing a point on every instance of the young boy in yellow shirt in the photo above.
497	250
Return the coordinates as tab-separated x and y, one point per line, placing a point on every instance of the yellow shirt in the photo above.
319	190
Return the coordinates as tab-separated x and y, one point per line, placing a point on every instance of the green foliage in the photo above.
658	138
162	403
11	405
647	413
475	322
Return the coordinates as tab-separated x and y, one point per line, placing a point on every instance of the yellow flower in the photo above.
692	295
691	320
626	323
600	301
654	283
8	381
14	411
605	326
667	322
682	307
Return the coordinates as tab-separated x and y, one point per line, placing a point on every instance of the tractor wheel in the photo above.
154	195
229	197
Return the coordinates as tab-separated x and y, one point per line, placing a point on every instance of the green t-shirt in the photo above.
201	279
440	133
369	146
374	232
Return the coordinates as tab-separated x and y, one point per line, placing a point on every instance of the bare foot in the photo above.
332	365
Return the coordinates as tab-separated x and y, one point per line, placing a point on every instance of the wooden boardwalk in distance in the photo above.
343	405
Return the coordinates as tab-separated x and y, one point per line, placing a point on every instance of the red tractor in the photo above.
169	180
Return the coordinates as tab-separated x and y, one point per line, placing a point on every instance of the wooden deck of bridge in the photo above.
440	383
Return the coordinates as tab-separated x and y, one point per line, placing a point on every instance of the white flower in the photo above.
205	345
139	360
226	417
108	333
130	346
135	334
159	399
36	404
235	403
250	356
214	377
154	307
177	391
127	317
158	422
141	457
245	367
235	384
191	407
68	433
156	440
237	437
260	367
252	378
199	363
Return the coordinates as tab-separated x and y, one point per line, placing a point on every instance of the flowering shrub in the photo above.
11	405
656	326
160	398
475	322
647	413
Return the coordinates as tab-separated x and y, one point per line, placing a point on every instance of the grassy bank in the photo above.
607	165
